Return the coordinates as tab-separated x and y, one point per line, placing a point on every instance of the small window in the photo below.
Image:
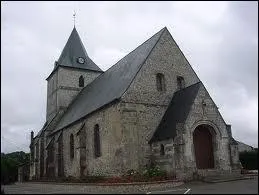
160	82
81	81
72	146
180	82
97	145
162	150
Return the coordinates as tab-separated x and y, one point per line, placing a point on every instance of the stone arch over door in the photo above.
204	146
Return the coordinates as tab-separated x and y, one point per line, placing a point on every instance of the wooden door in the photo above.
203	146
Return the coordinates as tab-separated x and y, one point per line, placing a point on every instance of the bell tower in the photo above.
72	72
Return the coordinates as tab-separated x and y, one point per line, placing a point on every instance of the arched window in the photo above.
160	82
97	146
72	146
180	82
81	81
162	150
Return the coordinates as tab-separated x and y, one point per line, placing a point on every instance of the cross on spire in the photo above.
74	16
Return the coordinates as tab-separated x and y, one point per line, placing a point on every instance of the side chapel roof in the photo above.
177	112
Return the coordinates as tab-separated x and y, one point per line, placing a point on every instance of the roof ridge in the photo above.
117	63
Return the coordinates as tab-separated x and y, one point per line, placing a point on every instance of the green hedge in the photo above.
249	160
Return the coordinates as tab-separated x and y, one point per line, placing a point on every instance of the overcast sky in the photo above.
219	39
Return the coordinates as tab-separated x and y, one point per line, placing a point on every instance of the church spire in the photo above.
75	55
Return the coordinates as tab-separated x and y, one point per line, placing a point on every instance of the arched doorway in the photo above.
203	145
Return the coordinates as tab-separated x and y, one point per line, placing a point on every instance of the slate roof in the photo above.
42	129
74	49
176	112
110	85
45	126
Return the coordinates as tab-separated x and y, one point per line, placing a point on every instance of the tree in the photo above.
9	165
249	159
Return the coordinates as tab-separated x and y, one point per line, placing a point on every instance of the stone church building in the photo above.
151	103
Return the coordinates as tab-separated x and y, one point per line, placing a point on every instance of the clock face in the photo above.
81	60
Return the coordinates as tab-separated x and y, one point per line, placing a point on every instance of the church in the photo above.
151	103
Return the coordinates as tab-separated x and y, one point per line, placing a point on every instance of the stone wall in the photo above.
124	135
235	157
166	161
63	86
38	160
68	84
139	122
121	133
111	161
165	58
143	106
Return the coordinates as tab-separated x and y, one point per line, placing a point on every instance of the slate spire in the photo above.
75	55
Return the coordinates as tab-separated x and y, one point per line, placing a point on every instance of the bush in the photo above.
131	172
249	160
150	173
154	171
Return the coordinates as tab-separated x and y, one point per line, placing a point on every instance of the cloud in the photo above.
219	39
